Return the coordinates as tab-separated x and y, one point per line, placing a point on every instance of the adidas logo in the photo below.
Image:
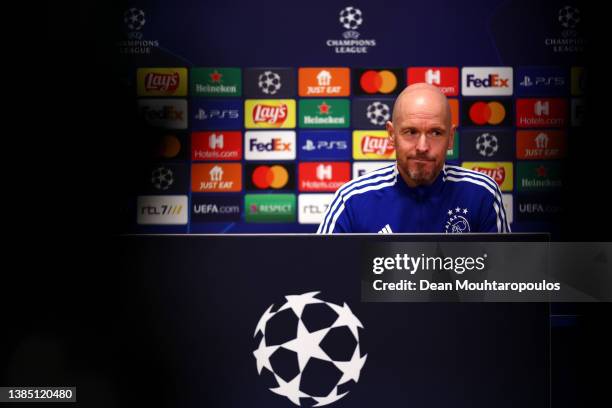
386	230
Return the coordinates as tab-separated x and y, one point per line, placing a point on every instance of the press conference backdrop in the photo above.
250	115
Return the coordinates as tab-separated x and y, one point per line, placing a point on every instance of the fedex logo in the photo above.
270	145
492	81
273	145
487	81
164	113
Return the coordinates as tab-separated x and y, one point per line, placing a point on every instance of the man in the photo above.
418	193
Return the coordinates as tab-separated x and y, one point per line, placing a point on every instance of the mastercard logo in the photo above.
168	147
378	81
270	177
491	113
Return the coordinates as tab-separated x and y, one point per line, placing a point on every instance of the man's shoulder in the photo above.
470	181
369	184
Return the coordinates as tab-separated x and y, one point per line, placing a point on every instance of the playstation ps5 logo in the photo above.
327	356
310	146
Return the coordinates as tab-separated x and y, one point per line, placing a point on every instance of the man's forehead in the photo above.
421	104
420	119
429	112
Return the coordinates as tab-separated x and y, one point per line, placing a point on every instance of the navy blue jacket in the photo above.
458	201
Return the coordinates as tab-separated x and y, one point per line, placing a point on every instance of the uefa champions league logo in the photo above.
309	349
134	19
269	82
162	178
351	18
487	144
378	113
568	40
569	17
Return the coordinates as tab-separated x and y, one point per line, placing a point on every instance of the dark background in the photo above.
73	314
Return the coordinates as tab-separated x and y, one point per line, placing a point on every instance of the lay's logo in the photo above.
162	81
376	145
498	174
501	172
269	113
373	145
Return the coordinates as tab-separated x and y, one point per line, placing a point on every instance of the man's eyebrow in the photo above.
405	127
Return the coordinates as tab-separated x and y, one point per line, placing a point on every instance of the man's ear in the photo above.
451	137
390	133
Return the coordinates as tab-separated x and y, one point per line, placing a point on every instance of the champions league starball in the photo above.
351	18
162	178
269	82
378	113
309	350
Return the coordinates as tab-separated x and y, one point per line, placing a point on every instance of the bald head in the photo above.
422	99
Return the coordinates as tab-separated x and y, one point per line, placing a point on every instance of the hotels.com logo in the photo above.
498	174
377	145
549	112
161	82
216	145
445	78
323	176
273	115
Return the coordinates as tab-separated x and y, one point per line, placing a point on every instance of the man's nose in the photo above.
422	143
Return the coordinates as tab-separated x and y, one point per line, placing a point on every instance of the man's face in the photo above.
421	133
